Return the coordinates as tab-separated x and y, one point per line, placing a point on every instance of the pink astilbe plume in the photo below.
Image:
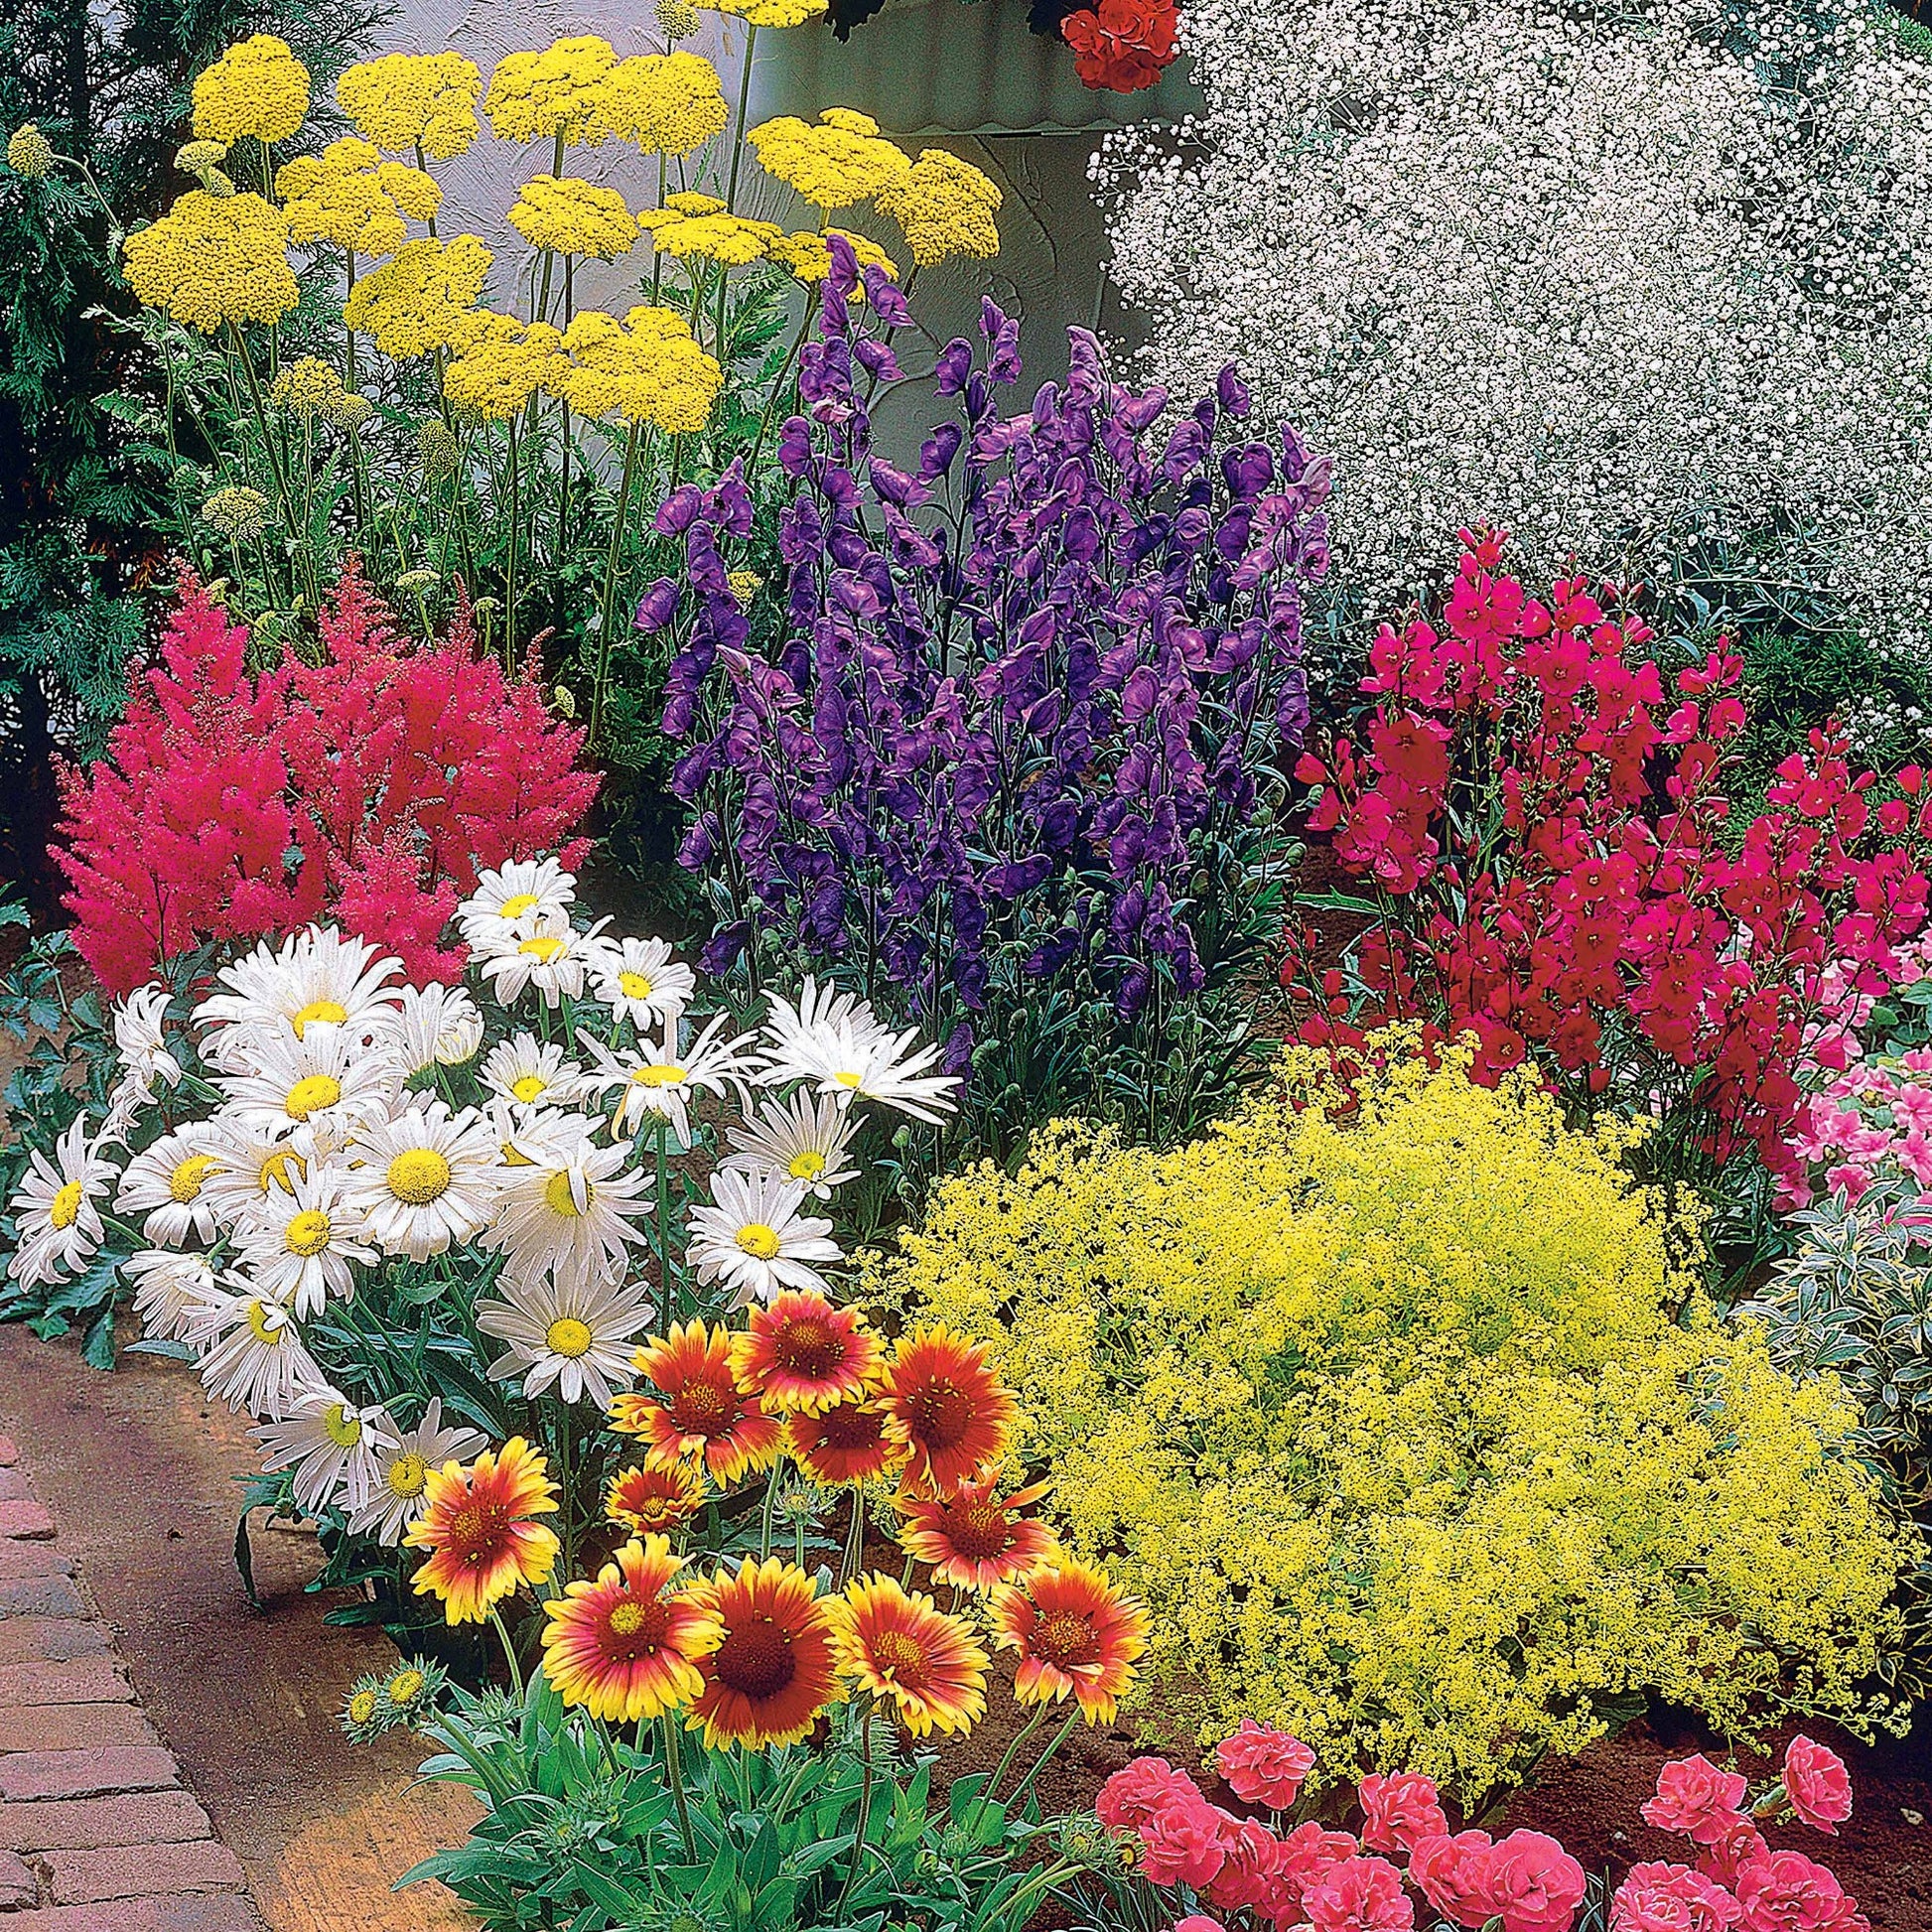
371	787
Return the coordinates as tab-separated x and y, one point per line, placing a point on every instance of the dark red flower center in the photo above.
808	1346
1066	1638
756	1658
704	1409
979	1532
938	1414
849	1425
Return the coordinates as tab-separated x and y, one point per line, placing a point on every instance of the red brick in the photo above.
29	1775
141	1870
87	1823
25	1638
9	1451
18	1886
192	1913
44	1596
72	1727
83	1680
33	1560
13	1486
25	1521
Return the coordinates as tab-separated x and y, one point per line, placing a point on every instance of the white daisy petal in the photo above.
424	1181
753	1240
574	1337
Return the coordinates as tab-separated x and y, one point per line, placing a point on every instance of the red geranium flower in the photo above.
1121	45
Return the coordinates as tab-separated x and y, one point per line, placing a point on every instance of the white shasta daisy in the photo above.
438	1025
803	1137
553	959
166	1183
332	1446
396	1498
327	1082
837	1045
533	1073
752	1238
664	1079
315	977
425	1180
173	1293
510	900
57	1225
144	1057
296	1243
567	1206
577	1337
249	1162
639	981
252	1354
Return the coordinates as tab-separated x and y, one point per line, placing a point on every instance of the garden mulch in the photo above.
132	1553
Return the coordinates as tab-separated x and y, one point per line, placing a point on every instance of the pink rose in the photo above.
1399	1810
1264	1766
1724	1857
1533	1885
1181	1845
1696	1798
1198	1922
1670	1898
1452	1873
1359	1895
1815	1782
1146	1786
1784	1891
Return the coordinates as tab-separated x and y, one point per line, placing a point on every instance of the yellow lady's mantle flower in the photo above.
947	207
809	256
404	101
697	224
833	162
503	364
256	87
350	196
536	96
644	369
420	301
770	13
574	217
664	103
209	261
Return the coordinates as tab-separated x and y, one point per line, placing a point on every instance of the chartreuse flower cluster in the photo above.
1383	1412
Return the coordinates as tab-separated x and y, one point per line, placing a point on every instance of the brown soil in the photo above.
141	1473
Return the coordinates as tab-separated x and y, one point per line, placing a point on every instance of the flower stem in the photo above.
604	635
743	106
771	1503
674	1777
509	1652
1019	1737
1059	1738
864	1814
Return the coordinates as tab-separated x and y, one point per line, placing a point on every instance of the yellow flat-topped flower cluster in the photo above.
212	261
574	217
416	303
405	101
663	103
698	224
350	196
258	87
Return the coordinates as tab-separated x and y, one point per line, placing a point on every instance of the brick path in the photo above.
97	1833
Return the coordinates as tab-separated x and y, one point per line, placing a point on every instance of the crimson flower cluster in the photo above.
1249	1870
369	787
1021	695
1546	837
1122	46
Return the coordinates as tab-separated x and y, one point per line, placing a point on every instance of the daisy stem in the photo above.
770	1504
865	1813
1019	1737
509	1652
674	1777
855	1544
1060	1738
563	1486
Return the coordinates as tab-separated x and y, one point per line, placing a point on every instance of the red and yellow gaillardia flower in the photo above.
704	1412
947	1407
976	1539
645	1500
849	1443
775	1667
906	1649
1075	1633
478	1525
625	1646
802	1353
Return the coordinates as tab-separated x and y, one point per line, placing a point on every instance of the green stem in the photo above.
743	106
510	578
1019	1737
770	1504
422	168
855	1546
864	1814
1060	1738
268	438
674	1777
509	1652
605	635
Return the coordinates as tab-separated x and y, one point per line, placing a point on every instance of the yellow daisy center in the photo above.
568	1336
340	1427
847	1080
308	1233
759	1240
361	1707
515	907
408	1474
512	1159
807	1166
559	1200
186	1180
275	1171
543	948
627	1619
331	1013
405	1687
259	1325
418	1174
66	1209
657	1076
529	1087
634	986
312	1093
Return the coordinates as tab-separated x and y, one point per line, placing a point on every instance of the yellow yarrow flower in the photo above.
574	217
404	101
350	196
238	512
212	260
307	385
30	154
809	256
256	87
537	97
419	302
663	103
503	364
697	224
770	13
201	157
644	369
833	162
947	207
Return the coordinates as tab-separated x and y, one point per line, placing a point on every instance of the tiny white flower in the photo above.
753	1240
140	1043
531	1072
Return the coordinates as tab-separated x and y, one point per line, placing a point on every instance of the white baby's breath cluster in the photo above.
499	1145
1621	282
